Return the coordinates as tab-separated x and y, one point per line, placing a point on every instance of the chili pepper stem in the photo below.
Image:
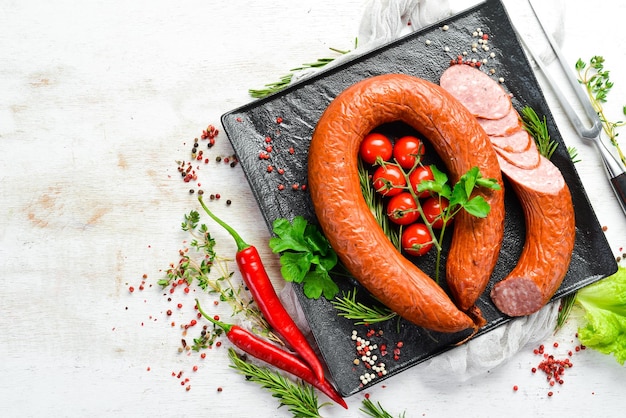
220	324
241	244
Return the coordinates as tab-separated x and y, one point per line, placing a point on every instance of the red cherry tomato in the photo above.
375	145
388	180
406	149
418	175
416	239
402	209
433	207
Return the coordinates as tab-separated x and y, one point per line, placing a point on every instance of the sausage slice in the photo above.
351	228
482	99
546	202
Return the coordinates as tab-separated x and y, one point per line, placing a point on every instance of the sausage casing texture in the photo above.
550	238
543	195
351	228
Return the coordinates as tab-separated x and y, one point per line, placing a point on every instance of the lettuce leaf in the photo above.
604	303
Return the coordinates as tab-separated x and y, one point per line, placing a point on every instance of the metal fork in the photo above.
615	170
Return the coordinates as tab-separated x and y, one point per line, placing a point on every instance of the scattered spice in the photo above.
553	367
370	349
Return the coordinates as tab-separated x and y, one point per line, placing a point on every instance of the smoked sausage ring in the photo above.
351	228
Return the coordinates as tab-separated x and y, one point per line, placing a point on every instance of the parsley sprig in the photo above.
305	256
596	80
460	197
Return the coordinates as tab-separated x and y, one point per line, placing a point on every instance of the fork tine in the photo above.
592	114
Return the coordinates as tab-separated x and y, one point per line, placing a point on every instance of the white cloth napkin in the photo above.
386	20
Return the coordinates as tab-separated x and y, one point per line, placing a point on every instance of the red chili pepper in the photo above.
258	282
274	355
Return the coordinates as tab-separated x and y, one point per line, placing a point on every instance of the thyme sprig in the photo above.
376	410
595	78
199	263
285	80
350	308
299	398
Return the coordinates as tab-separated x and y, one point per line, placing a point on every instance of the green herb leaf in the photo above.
318	283
376	410
306	256
285	80
316	241
438	186
290	235
294	266
477	206
350	308
298	397
538	129
596	81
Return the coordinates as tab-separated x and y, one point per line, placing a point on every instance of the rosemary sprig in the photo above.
573	154
376	410
285	80
376	206
538	129
597	83
567	303
298	397
349	308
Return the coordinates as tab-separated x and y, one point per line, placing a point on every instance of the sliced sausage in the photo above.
550	234
483	99
528	159
507	125
519	141
547	206
351	228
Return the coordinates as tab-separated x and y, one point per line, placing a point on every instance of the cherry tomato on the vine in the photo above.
416	239
406	149
433	207
388	180
418	175
375	145
402	209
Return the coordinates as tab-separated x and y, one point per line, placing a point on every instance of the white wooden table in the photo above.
98	100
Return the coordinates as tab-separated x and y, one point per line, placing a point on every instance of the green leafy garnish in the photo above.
285	80
538	129
200	263
298	397
376	410
597	83
350	308
459	197
305	256
567	303
604	303
377	207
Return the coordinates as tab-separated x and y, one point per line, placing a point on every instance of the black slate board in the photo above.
289	118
